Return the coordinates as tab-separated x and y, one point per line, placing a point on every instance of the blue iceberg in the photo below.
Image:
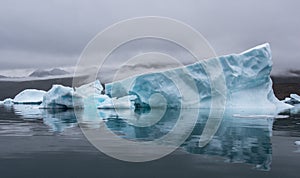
247	84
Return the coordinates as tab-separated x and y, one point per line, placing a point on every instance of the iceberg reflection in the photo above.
57	119
239	139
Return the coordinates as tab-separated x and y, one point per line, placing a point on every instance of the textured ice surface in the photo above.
92	95
125	102
247	77
30	96
90	89
61	97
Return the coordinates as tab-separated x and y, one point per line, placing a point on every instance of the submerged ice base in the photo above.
247	77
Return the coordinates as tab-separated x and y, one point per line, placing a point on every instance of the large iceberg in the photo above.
247	78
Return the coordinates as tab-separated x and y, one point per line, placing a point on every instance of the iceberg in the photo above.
7	101
30	96
293	99
61	97
125	102
294	102
90	89
93	92
247	78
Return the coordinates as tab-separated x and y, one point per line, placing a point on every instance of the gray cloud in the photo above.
45	34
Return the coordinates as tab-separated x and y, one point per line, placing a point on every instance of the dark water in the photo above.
48	143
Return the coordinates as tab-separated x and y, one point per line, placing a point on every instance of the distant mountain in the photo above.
2	76
295	72
45	73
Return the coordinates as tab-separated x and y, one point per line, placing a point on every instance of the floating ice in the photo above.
293	99
125	102
297	143
90	89
296	97
7	101
61	97
247	77
30	96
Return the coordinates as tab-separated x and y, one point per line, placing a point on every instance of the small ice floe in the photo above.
7	101
261	116
297	143
295	96
293	99
29	96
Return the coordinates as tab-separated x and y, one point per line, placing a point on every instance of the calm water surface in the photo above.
50	143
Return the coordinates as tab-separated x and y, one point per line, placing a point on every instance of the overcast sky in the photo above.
45	34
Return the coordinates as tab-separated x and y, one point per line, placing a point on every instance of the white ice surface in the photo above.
29	96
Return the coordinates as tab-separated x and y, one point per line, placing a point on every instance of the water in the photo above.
50	143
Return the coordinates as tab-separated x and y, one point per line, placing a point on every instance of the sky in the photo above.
53	33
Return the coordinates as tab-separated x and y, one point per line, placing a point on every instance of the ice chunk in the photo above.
61	97
247	77
91	94
65	97
295	97
94	88
7	101
125	102
297	143
30	96
292	100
